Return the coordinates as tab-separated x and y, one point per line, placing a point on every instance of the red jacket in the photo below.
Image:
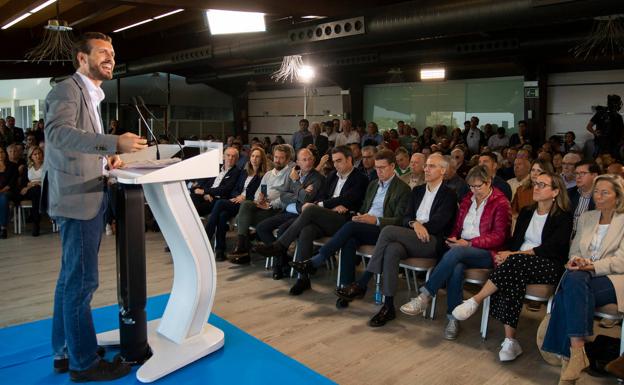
495	224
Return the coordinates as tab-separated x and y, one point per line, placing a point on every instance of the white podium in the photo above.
182	335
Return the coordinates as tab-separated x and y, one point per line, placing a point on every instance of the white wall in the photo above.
278	112
571	96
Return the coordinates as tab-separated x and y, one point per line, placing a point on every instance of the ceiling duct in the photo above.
327	31
402	22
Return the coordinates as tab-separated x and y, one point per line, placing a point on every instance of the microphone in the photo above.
136	106
142	102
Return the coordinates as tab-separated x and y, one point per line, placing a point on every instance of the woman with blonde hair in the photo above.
594	277
536	255
32	190
245	189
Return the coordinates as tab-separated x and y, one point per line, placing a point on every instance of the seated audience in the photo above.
368	162
568	165
416	175
581	196
205	192
506	169
426	223
264	205
454	181
8	185
356	153
372	136
32	190
490	161
319	144
524	193
303	185
569	145
481	229
348	134
499	141
557	162
384	203
245	190
402	161
521	173
594	277
537	253
458	154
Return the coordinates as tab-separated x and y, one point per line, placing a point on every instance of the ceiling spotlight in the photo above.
432	74
306	73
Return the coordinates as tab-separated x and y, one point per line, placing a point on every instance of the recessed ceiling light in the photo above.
432	74
226	22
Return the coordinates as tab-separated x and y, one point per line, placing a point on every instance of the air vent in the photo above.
190	55
488	46
326	31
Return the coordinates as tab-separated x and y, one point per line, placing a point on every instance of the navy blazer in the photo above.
352	193
441	215
555	235
575	195
224	190
251	187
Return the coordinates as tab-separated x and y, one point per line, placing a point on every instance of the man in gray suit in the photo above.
77	152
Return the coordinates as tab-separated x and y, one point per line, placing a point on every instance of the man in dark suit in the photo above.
384	204
319	142
490	161
76	147
581	198
205	192
340	199
428	220
18	133
303	185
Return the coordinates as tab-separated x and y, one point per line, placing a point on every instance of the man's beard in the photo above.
95	73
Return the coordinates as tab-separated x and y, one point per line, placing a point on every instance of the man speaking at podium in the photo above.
77	153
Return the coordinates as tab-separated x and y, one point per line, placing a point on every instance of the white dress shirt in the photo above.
533	234
424	210
96	95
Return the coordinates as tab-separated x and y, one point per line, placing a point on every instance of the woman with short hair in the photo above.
481	228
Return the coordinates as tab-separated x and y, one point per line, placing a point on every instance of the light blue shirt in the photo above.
376	209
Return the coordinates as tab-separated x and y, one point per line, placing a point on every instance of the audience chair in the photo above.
610	311
539	293
479	277
19	215
414	265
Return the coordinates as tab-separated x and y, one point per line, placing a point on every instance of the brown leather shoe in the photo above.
385	314
577	363
351	292
616	367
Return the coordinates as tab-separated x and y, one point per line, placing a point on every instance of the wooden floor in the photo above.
335	343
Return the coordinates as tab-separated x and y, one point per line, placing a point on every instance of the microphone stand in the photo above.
142	102
136	106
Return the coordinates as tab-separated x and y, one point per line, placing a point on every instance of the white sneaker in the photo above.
510	350
416	306
465	310
109	230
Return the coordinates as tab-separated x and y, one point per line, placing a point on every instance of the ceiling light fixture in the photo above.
148	20
227	22
25	15
432	74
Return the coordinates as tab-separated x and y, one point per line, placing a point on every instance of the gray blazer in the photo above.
294	192
73	152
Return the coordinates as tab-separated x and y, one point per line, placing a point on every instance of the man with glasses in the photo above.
568	165
384	204
581	199
368	162
426	223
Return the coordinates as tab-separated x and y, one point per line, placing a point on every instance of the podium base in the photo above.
168	356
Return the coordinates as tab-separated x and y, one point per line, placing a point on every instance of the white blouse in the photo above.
35	175
533	235
596	242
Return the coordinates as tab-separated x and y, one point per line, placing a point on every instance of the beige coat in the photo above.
611	262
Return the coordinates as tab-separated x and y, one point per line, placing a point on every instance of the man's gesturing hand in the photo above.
130	142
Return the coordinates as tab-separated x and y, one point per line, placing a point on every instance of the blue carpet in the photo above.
25	356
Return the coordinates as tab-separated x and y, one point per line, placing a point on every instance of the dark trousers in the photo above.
281	221
202	206
221	213
313	223
396	243
511	279
34	195
250	215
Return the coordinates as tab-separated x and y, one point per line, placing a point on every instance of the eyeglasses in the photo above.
541	185
475	186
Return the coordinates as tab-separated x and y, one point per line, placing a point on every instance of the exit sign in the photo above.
531	92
